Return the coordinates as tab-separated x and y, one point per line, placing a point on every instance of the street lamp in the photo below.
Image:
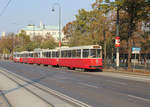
53	9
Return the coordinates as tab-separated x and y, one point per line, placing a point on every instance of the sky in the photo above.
20	13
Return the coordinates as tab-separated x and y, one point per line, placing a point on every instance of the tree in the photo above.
49	42
7	43
136	10
87	28
21	41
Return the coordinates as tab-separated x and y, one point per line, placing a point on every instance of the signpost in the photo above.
117	45
117	42
135	50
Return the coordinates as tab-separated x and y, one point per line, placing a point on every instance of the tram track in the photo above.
59	95
26	89
4	99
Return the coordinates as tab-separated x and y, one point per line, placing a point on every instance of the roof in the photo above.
39	28
83	47
63	48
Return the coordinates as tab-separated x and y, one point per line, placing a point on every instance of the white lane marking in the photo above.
137	78
140	98
51	90
93	86
116	82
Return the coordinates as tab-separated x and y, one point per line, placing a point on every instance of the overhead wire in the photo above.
4	9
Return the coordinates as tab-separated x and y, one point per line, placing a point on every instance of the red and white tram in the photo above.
84	57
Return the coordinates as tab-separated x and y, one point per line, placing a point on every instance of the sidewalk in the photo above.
26	95
18	96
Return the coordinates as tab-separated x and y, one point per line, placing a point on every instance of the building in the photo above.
42	30
3	34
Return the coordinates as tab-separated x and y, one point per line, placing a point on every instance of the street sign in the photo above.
117	41
136	50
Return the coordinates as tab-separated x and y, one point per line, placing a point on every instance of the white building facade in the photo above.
43	31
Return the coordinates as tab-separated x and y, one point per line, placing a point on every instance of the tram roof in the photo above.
83	47
63	48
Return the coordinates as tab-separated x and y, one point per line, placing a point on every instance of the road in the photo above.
95	90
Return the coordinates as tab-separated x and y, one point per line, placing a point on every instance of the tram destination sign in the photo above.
136	50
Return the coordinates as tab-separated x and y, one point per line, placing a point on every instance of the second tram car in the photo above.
84	57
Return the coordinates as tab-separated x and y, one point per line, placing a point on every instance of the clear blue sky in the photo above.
23	12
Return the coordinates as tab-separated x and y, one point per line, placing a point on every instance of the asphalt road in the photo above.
95	90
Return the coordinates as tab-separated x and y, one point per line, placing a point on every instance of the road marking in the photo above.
140	98
126	76
116	82
138	78
63	96
93	86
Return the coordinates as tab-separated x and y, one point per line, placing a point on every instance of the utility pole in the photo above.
104	34
117	35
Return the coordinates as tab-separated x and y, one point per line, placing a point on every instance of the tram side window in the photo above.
69	53
39	55
57	54
78	53
24	55
49	54
62	54
28	55
31	55
44	54
85	53
35	55
73	52
53	54
65	53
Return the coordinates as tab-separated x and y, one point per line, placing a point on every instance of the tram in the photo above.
83	57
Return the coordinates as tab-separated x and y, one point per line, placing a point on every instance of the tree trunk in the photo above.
129	54
131	27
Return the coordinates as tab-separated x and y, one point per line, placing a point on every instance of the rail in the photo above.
67	99
5	99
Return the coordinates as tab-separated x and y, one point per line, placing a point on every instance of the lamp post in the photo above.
53	9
